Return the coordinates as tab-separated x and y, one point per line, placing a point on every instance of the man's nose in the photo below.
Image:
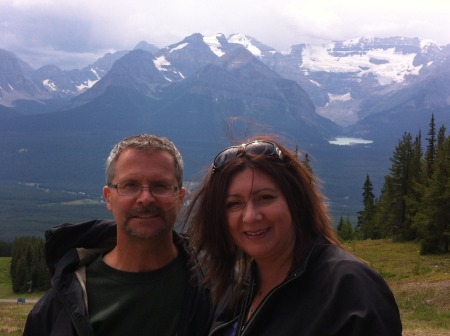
146	195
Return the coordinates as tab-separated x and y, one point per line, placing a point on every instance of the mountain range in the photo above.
206	92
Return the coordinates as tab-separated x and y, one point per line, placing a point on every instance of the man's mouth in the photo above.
147	213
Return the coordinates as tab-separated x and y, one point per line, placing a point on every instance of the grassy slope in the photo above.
421	285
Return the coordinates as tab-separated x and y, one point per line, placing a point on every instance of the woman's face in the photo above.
258	216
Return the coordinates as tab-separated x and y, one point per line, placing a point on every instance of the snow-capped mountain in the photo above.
205	92
341	77
16	81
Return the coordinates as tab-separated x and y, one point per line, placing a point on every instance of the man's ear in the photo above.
107	196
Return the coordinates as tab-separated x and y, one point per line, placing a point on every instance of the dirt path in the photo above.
443	284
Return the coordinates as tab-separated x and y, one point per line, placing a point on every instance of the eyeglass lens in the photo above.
132	189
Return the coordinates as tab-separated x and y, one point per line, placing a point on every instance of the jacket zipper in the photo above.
244	326
223	326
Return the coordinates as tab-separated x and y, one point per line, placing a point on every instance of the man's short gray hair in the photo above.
145	143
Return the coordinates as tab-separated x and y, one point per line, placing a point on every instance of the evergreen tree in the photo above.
417	187
307	162
384	218
5	249
28	268
433	220
20	275
345	229
366	217
430	154
393	213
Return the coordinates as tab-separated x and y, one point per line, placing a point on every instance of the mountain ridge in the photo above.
207	92
340	77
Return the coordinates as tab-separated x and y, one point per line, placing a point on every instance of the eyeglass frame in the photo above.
276	152
118	185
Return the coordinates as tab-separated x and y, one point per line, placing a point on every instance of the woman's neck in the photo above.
271	275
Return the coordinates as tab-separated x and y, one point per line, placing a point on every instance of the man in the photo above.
133	278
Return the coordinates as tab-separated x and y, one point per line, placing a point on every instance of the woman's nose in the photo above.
250	212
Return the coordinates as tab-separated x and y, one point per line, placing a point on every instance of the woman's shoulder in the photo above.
339	263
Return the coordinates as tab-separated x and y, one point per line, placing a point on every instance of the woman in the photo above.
271	254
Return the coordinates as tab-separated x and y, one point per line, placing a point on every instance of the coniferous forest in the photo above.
28	270
414	203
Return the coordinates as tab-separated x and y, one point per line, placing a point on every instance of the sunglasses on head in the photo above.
258	147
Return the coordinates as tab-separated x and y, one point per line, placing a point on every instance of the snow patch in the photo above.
49	84
161	62
178	47
425	43
95	73
89	83
246	42
214	44
336	97
86	85
393	67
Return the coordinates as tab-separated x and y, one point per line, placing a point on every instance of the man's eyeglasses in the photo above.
131	189
258	147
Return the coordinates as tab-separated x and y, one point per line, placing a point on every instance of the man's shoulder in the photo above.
98	233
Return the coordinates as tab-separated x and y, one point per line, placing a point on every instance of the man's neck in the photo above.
141	255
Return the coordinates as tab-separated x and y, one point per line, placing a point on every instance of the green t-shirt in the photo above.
126	303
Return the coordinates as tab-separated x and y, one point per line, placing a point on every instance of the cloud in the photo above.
72	34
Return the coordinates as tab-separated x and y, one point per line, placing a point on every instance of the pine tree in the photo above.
28	265
5	249
366	217
430	154
417	184
345	229
307	162
392	216
434	217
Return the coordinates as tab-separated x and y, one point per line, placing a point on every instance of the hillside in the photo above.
421	286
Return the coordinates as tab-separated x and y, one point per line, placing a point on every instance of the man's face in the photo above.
145	216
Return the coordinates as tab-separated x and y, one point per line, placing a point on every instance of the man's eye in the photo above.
160	187
130	186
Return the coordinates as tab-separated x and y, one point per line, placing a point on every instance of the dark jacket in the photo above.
63	309
330	293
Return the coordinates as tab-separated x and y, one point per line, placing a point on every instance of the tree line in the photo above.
5	249
414	203
28	269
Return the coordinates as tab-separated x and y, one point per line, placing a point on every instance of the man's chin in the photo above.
148	232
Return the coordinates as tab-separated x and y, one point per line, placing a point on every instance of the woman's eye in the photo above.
234	205
266	197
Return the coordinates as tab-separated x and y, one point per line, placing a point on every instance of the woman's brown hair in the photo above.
224	264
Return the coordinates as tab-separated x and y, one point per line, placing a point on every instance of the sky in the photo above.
73	34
